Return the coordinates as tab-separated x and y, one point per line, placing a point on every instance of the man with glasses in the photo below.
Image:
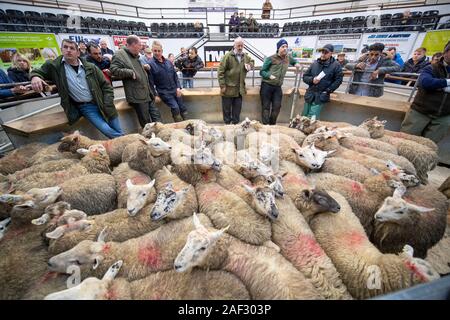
323	76
371	68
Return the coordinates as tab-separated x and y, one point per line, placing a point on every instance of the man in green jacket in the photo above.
126	66
231	75
272	72
82	88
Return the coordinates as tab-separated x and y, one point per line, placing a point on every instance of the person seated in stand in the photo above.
234	23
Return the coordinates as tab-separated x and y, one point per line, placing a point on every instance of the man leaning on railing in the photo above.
429	115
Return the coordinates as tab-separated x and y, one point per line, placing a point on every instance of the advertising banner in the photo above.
347	43
435	41
302	47
119	41
403	41
36	47
77	37
213	55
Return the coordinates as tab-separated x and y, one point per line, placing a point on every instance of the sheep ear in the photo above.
143	141
27	204
77	133
330	152
399	191
56	234
153	135
248	188
83	151
217	234
198	225
384	122
408	250
102	235
10	198
41	220
151	184
97	261
129	184
169	185
313	119
113	271
419	209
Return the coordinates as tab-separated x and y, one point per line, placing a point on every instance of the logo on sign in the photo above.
213	55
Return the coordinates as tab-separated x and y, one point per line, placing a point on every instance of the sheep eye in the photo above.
144	194
202	248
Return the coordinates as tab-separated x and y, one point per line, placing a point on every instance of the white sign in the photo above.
302	47
403	41
347	43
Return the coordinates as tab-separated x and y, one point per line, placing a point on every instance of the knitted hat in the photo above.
280	43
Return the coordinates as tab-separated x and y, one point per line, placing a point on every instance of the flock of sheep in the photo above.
189	210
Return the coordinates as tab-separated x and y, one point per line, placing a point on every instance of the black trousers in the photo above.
270	96
231	108
146	112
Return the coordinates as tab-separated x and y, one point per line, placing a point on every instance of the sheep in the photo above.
225	152
92	193
296	135
176	199
364	269
4	226
96	160
156	127
377	130
143	255
24	255
298	245
198	284
133	187
147	156
416	216
265	273
308	126
445	187
51	153
225	208
346	168
350	141
114	147
20	158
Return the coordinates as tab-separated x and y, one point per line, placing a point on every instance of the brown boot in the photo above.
177	118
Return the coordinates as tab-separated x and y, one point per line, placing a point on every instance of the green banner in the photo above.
37	47
435	41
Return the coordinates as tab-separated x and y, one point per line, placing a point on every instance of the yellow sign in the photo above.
435	41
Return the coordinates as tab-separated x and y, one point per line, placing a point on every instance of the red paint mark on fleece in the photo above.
106	248
11	234
111	294
304	246
362	144
47	276
107	144
295	179
353	239
356	187
411	266
211	193
150	255
140	180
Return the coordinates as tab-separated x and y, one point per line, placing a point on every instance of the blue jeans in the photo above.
188	83
111	129
175	103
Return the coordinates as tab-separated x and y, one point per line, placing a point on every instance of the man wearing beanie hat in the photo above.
429	115
371	68
272	73
323	76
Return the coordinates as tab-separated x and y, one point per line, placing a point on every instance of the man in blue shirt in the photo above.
429	115
164	81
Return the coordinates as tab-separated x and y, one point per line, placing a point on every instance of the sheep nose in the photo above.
49	264
178	267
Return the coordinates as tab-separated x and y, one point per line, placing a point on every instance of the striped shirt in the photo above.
78	87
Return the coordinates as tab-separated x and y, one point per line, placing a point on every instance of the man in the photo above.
231	75
164	81
189	67
126	66
436	57
417	62
148	55
341	59
395	56
371	68
104	47
95	57
82	88
242	22
267	6
429	115
83	49
234	23
323	76
252	25
272	72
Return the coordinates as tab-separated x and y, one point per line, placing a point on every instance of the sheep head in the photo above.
247	125
268	153
91	288
167	201
54	210
70	143
85	253
407	178
310	157
263	200
157	146
422	271
277	186
204	160
311	202
199	245
72	225
152	127
4	226
397	210
304	124
137	196
374	126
